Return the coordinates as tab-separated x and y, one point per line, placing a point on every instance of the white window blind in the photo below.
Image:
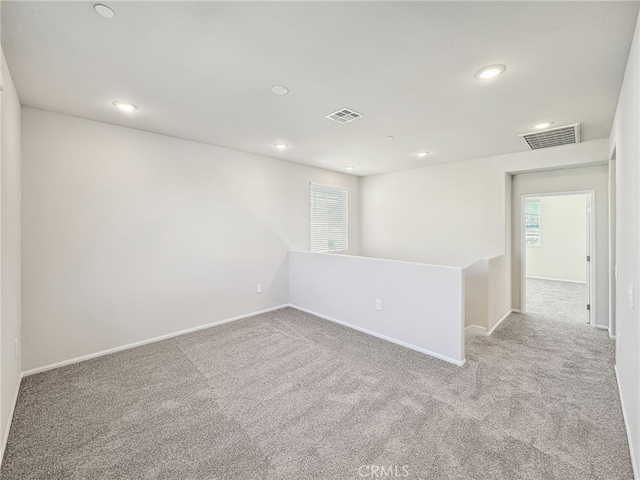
329	218
532	222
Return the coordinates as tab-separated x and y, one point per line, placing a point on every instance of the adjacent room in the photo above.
557	263
319	240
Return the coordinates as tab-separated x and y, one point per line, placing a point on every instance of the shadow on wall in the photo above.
487	295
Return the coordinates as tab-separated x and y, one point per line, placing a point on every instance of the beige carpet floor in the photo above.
286	395
557	301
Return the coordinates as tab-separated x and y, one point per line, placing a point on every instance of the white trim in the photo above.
473	331
109	351
449	267
330	186
488	259
557	280
504	317
383	337
636	474
344	189
592	286
463	317
611	191
5	435
523	254
602	327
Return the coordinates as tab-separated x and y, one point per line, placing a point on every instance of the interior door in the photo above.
588	259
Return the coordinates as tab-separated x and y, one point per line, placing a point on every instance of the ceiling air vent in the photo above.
344	115
552	137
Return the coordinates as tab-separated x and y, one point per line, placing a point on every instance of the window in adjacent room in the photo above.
329	218
532	221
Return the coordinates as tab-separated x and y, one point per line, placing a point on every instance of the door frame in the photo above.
592	297
612	273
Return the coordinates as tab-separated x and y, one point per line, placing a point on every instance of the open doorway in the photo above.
558	255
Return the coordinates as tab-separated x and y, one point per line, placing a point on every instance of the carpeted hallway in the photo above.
286	395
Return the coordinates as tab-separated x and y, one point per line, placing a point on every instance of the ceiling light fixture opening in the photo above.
388	137
125	106
423	154
542	125
104	11
279	89
349	167
280	146
490	71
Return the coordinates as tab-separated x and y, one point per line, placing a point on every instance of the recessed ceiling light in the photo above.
542	125
125	106
279	89
104	11
280	146
349	167
389	138
423	154
490	72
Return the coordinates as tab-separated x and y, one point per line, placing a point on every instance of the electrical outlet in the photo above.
378	304
16	350
259	288
630	293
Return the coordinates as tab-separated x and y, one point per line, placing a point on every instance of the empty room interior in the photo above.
557	272
320	240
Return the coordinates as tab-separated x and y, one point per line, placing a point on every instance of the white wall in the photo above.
487	287
476	293
422	305
452	214
625	140
563	240
499	291
130	235
574	179
10	324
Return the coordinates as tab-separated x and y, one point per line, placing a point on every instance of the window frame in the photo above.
342	190
527	233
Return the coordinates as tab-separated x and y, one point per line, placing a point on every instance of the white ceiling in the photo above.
204	71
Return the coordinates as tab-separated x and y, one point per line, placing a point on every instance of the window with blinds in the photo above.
532	221
329	218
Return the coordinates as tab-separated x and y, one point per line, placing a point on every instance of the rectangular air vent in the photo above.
552	137
344	115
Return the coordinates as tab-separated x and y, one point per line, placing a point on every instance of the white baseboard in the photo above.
459	363
557	280
504	317
636	474
473	331
5	434
109	351
602	327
